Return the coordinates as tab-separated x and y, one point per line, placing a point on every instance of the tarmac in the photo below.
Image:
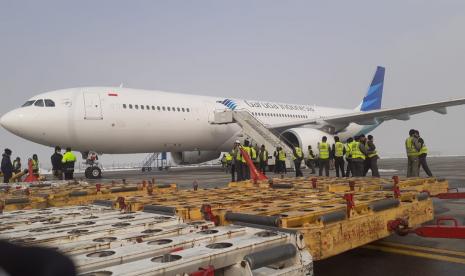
395	255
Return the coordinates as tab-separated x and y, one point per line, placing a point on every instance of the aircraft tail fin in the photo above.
374	96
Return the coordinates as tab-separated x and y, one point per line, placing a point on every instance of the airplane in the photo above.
117	120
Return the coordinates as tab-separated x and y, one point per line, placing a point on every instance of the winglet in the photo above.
374	96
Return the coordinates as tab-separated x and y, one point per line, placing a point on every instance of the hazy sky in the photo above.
314	52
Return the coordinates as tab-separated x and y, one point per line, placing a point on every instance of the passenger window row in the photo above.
40	103
157	108
280	115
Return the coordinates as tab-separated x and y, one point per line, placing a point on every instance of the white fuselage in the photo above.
122	120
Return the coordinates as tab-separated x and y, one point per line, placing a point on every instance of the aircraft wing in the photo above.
339	122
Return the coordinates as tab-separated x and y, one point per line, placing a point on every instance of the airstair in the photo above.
255	130
148	162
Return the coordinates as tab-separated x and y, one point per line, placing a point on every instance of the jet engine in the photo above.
194	157
305	137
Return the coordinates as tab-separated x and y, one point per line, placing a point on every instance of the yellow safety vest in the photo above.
324	150
348	150
237	153
68	157
281	155
298	153
372	154
410	147
356	152
423	150
339	149
35	164
264	155
228	157
253	153
247	149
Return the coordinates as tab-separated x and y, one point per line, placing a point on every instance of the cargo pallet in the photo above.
333	214
58	194
104	241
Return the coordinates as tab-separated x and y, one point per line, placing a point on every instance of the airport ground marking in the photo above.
416	254
417	247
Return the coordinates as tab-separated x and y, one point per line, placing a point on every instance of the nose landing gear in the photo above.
93	172
94	169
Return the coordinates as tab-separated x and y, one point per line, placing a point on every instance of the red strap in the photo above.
254	173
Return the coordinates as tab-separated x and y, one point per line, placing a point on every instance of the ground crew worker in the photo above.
276	161
35	164
263	159
349	156
310	162
223	162
324	149
245	169
17	168
254	155
339	151
68	164
6	166
298	156
358	151
372	157
57	166
422	157
228	158
331	157
412	148
236	162
17	165
282	161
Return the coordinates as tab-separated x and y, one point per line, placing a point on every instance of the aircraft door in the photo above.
92	106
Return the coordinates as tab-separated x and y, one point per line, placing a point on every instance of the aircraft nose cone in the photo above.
9	120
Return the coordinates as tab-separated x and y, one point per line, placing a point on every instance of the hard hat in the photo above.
237	142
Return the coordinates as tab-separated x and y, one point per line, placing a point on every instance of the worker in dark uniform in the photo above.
236	173
68	164
276	160
17	165
324	149
57	166
422	157
281	161
298	157
331	157
310	162
348	156
17	168
263	159
339	151
7	166
372	156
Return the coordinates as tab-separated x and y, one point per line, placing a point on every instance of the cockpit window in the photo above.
28	103
39	103
49	103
